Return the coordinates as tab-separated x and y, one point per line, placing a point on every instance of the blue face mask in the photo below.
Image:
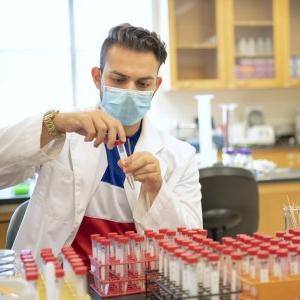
127	106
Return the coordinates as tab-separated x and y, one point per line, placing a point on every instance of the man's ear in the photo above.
96	74
158	83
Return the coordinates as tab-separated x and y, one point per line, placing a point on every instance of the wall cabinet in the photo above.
234	43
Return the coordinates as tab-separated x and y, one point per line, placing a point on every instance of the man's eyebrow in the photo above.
118	73
146	78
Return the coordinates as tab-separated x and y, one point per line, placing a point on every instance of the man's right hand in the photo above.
93	124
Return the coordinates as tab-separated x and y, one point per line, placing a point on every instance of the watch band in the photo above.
49	124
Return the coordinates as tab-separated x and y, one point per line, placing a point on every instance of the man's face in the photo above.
129	69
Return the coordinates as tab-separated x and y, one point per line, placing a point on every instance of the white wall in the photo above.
279	104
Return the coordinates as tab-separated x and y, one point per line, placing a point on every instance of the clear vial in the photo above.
236	259
263	266
214	261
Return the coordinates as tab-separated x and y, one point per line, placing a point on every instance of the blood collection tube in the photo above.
245	258
59	278
192	273
236	259
103	257
177	267
123	155
214	261
281	266
94	244
140	254
206	269
263	266
31	278
226	265
252	252
272	256
81	283
184	273
161	256
157	237
123	247
150	243
292	260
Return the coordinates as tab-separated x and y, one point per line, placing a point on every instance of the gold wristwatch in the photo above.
49	124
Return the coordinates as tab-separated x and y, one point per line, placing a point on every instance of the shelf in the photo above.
253	23
196	46
254	55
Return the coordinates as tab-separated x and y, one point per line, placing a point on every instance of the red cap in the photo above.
245	247
178	252
279	234
266	238
202	232
227	250
255	242
273	249
31	269
198	238
30	265
147	230
227	240
119	142
171	233
67	249
264	246
282	253
179	229
31	275
112	234
192	259
296	240
81	270
25	251
288	236
262	254
150	234
213	257
296	231
139	238
159	236
292	248
94	236
28	260
258	235
220	247
237	244
163	230
283	244
104	242
253	251
48	250
71	255
59	273
274	241
129	233
236	256
205	253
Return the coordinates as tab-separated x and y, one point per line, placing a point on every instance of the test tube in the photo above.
123	155
214	273
31	278
272	256
263	266
59	275
81	283
236	259
292	260
225	265
281	267
94	244
177	266
252	252
192	272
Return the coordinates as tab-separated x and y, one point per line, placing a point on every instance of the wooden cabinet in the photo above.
272	199
234	43
291	55
197	43
6	211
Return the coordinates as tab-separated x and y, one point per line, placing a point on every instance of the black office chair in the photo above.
229	201
14	224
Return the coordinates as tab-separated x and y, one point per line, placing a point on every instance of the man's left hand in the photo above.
144	167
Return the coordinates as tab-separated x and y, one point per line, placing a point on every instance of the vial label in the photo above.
206	276
264	275
200	271
294	268
214	281
252	270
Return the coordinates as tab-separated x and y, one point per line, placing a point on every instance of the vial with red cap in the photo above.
31	278
252	252
235	272
81	280
292	260
281	264
263	266
226	265
214	262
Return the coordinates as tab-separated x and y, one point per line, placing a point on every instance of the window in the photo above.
38	63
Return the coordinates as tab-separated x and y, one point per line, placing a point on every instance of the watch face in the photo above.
255	117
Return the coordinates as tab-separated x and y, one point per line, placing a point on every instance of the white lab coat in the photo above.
69	171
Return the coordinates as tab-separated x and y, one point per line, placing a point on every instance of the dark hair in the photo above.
134	38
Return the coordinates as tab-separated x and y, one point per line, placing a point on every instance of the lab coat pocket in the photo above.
55	187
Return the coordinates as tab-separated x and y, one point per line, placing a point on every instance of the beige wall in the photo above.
279	104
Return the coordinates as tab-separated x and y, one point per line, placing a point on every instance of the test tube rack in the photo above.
274	289
159	287
113	284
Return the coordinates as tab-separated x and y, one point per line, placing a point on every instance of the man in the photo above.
83	187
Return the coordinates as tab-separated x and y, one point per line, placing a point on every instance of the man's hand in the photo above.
144	167
94	125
